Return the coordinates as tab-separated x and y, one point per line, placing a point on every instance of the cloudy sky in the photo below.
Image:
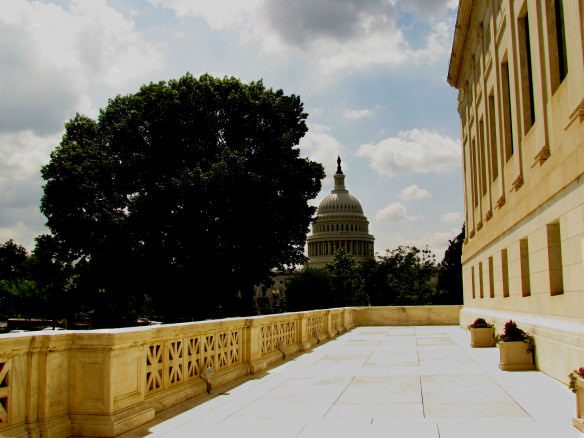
371	74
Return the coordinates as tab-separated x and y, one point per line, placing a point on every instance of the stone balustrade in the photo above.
105	382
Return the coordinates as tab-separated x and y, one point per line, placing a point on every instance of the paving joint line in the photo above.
340	395
319	349
493	376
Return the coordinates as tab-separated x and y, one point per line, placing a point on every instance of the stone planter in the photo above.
482	337
579	420
514	356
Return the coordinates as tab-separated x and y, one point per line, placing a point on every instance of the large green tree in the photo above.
17	288
184	194
54	279
310	289
32	285
410	275
450	273
346	280
374	285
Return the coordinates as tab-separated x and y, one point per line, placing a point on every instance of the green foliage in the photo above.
19	298
180	197
345	279
53	275
31	285
13	261
309	290
374	286
410	276
450	273
16	286
340	284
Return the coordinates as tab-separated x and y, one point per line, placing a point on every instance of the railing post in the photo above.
348	315
328	324
53	381
107	383
305	340
254	347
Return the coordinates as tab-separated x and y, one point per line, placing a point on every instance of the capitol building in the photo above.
340	223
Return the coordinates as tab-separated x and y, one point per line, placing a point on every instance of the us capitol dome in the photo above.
339	222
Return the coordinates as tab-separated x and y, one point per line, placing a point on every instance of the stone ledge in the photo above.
265	361
578	424
111	425
181	392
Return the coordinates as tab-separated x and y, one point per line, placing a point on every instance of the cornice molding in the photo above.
461	31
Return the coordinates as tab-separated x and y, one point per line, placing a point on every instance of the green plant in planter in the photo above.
574	377
480	323
513	334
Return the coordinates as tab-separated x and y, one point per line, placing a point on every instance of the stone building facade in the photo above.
518	66
340	222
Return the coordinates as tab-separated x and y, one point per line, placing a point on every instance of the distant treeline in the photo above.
403	276
38	285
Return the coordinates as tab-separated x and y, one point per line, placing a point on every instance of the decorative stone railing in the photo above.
105	382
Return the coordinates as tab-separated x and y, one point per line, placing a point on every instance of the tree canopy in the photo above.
309	290
184	195
450	272
31	285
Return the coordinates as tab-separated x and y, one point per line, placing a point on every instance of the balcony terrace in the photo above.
396	379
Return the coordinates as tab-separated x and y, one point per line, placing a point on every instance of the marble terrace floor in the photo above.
413	382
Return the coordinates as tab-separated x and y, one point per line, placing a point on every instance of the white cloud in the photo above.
319	145
316	112
436	241
386	46
22	225
219	14
414	192
452	217
358	114
341	36
17	233
21	156
429	8
90	38
394	212
53	60
51	56
415	151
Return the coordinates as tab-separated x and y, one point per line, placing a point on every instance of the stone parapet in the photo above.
407	315
106	382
